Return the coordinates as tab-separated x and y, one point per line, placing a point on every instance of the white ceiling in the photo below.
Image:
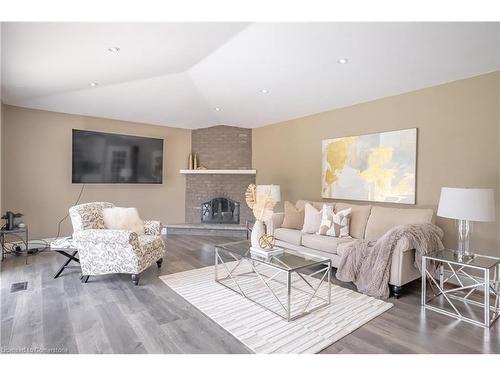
175	74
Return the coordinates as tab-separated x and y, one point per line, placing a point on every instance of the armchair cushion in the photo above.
108	236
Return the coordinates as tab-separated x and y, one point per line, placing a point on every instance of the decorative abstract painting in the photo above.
374	167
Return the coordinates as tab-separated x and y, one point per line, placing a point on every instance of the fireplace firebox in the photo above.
220	211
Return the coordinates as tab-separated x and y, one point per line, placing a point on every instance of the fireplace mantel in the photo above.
218	171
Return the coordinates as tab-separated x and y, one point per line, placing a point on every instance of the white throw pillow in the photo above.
123	218
312	219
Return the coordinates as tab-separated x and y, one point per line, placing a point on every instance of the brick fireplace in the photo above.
220	147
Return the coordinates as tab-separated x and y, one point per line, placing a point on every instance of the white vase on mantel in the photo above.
257	232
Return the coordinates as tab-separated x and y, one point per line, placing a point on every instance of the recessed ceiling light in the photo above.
93	84
113	49
264	91
218	109
342	60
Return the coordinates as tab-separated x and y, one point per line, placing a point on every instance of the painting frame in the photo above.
376	167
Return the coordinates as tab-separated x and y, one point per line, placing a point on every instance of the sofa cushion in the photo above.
383	219
294	217
323	243
292	236
359	218
301	204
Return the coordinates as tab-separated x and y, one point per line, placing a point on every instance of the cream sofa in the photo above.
367	222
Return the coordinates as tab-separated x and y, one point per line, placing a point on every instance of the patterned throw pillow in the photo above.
340	224
326	219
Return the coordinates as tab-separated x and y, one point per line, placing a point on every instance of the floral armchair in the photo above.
104	251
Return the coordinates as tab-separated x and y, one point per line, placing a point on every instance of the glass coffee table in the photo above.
466	289
289	285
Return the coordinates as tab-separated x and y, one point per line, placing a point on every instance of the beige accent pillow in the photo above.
124	219
294	217
312	219
340	224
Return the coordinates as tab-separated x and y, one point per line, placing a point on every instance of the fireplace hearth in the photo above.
220	210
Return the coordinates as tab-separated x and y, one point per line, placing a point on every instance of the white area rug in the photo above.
264	332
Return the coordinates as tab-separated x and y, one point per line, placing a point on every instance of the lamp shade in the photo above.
272	192
467	204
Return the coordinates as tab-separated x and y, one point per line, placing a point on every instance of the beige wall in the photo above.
458	145
36	174
1	119
1	131
1	183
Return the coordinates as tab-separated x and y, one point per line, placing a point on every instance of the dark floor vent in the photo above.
16	287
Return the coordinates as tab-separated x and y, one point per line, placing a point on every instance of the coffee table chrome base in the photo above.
286	306
457	273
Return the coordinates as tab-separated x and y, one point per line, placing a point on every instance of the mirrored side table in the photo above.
468	289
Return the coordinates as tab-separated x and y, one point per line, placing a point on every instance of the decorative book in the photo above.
266	252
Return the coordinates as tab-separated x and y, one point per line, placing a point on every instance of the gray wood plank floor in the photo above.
111	315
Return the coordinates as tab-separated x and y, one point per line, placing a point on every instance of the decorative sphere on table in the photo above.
266	242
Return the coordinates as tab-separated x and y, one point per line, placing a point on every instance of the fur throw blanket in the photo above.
368	263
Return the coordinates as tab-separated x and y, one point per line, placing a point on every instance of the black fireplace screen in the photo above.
221	211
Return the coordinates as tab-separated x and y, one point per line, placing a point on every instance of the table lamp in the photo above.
466	206
271	192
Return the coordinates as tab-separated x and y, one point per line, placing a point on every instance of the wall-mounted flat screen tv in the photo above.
105	158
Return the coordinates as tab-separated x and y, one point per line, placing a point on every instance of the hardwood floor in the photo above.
111	315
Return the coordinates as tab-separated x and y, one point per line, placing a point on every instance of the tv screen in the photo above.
117	159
